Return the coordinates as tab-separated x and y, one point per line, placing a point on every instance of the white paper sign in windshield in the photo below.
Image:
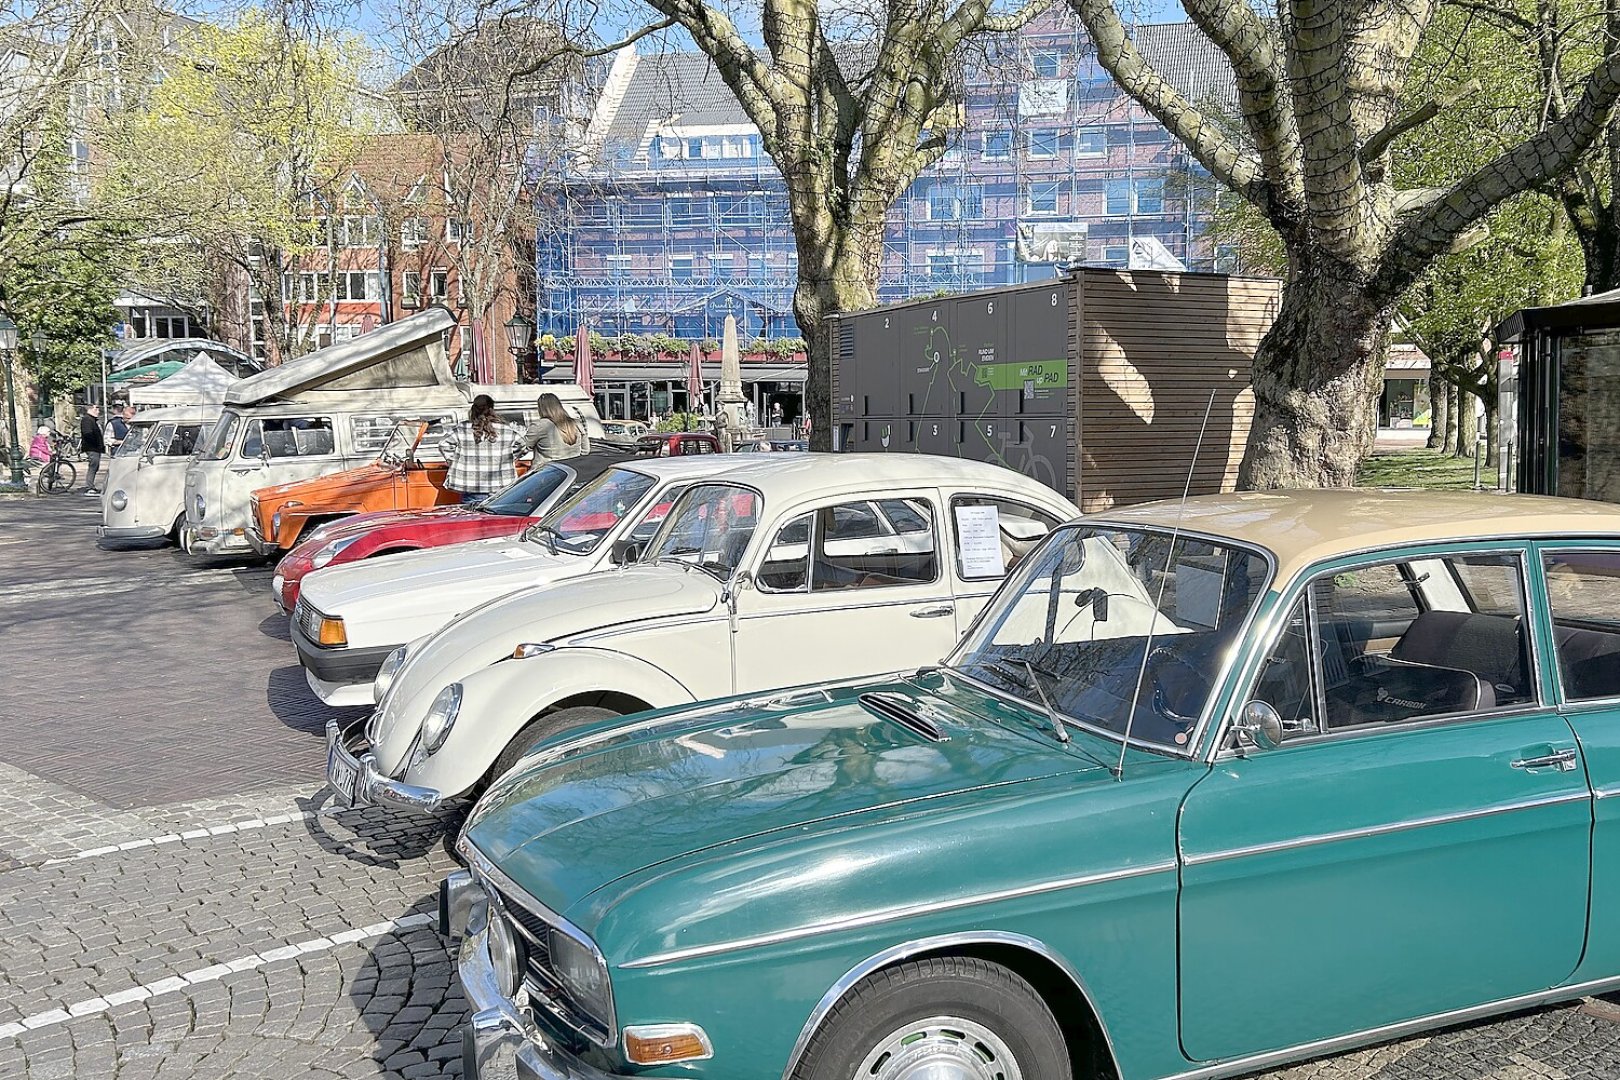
978	531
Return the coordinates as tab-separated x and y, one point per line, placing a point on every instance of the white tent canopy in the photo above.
201	382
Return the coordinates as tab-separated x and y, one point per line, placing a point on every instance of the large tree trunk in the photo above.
1448	444
812	303
1467	424
1439	411
1316	378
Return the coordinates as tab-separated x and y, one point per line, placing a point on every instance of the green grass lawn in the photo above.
1422	469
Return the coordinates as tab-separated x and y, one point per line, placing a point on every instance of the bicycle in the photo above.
57	475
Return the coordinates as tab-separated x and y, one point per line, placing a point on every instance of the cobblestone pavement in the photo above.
178	900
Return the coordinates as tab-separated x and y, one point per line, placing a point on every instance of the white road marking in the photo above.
202	832
175	983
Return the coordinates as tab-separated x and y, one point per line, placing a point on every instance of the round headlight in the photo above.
200	506
441	716
118	500
385	674
505	955
331	551
275	522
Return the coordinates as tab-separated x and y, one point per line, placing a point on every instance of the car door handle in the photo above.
1563	760
932	612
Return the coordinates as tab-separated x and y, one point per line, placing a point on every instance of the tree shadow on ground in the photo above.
409	998
291	701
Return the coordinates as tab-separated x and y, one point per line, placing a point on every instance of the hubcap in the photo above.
940	1048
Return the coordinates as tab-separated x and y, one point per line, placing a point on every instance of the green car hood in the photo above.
668	786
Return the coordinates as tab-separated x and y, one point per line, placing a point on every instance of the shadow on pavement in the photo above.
275	625
409	998
375	835
290	699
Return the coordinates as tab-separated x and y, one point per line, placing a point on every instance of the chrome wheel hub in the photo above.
940	1048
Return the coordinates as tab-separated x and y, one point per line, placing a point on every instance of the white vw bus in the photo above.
334	410
146	478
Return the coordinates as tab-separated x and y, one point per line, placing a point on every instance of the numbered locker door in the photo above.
979	373
1038	375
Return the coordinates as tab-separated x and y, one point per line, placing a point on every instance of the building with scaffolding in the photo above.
674	218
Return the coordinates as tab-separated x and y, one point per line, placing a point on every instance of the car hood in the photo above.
377	519
676	784
446	579
324	488
490	632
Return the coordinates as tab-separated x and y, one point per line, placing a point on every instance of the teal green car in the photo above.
1208	787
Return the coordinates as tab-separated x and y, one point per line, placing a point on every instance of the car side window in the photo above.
303	436
1398	641
1583	591
1018	528
786	566
858	545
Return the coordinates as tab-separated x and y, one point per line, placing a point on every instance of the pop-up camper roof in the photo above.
201	382
407	353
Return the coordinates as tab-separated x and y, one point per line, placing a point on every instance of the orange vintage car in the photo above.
399	479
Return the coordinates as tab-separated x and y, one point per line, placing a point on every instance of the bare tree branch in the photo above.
1234	165
1374	148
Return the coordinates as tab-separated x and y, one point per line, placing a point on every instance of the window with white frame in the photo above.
458	232
1150	196
413	233
1119	197
439	284
410	287
1042	144
1041	198
358	230
1044	63
1115	254
955	202
997	145
1091	142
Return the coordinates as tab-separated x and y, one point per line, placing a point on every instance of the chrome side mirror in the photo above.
741	580
1259	727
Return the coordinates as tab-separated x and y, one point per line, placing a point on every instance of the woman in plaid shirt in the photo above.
481	452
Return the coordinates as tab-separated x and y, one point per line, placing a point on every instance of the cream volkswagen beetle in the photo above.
350	619
788	569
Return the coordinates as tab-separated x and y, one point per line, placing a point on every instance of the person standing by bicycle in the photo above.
39	454
90	441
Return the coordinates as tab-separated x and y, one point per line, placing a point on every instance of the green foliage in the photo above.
682	421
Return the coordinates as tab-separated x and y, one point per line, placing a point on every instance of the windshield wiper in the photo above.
1058	729
551	535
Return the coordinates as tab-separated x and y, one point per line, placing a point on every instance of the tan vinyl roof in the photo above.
1304	527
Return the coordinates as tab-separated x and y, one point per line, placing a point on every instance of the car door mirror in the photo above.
1259	727
627	550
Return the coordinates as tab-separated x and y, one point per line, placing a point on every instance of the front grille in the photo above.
540	978
308	621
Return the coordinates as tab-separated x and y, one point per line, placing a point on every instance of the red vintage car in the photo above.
385	532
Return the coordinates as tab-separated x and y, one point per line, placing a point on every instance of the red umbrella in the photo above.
582	359
694	380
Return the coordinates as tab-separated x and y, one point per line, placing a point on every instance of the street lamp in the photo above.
519	339
8	351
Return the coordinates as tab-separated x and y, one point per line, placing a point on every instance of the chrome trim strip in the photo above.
903	911
1384	830
836	992
1340	1043
1606	792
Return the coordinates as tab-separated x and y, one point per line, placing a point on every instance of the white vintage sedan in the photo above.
350	619
788	569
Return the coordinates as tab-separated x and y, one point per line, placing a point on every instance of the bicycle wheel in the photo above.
59	477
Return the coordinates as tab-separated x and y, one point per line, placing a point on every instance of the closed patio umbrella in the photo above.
582	359
694	380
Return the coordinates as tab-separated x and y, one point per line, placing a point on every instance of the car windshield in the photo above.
217	447
397	450
520	499
135	440
1104	618
709	528
580	523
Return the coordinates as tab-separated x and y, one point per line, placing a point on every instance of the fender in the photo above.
499	701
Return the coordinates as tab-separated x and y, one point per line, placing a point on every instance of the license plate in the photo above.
340	774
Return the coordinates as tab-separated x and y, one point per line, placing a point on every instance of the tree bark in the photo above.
1467	424
1315	377
813	301
1453	410
1438	411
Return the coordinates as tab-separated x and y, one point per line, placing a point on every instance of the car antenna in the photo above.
1158	601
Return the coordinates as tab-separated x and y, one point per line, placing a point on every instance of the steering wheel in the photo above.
1174	679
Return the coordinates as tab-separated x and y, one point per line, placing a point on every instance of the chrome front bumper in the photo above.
207	540
499	1041
121	535
369	787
